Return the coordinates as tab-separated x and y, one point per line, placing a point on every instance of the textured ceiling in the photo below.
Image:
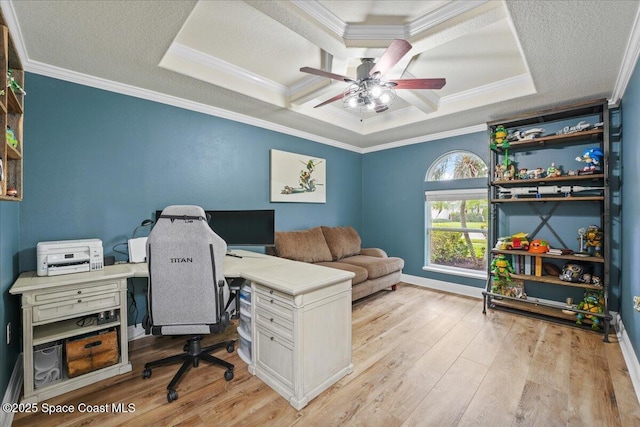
241	60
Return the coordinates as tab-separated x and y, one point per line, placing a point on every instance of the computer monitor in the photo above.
242	227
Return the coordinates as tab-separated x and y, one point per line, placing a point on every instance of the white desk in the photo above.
301	321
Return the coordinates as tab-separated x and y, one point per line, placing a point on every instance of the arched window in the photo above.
456	215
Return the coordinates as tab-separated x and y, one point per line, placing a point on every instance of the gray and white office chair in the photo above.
187	289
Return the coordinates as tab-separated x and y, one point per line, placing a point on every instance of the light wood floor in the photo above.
421	358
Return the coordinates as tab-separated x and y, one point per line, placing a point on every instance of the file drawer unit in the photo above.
301	329
53	309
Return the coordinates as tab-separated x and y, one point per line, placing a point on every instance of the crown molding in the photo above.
426	138
629	61
385	32
217	64
375	32
440	15
322	15
501	86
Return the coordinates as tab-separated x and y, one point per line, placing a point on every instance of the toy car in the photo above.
517	241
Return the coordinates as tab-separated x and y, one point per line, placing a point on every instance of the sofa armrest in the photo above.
376	252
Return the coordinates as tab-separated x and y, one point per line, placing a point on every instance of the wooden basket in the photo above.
91	353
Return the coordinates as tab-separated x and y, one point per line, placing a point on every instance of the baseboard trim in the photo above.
630	357
439	285
135	332
12	394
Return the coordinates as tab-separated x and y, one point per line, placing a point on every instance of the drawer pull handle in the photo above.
271	319
271	301
79	292
79	300
271	291
271	338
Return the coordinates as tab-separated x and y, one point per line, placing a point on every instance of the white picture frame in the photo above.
298	178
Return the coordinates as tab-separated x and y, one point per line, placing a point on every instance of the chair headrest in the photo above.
183	210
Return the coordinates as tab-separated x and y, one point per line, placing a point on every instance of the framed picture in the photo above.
298	178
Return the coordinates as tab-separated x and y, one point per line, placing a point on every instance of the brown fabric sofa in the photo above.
339	247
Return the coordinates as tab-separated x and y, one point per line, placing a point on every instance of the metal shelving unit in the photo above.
501	207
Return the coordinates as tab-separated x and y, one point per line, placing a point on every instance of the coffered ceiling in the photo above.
241	59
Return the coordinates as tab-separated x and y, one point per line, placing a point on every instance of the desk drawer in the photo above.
275	356
76	306
273	304
272	293
275	322
80	291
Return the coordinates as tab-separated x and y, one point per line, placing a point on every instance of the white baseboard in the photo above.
439	285
630	357
12	394
134	332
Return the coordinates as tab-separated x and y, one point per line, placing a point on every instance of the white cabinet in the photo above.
61	307
302	341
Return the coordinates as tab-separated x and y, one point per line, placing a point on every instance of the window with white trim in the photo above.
456	215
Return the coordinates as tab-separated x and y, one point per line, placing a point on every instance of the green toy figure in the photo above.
501	267
499	138
593	302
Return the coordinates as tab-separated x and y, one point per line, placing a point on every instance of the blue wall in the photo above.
630	268
10	305
393	199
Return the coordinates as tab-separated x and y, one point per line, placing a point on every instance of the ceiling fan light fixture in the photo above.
368	95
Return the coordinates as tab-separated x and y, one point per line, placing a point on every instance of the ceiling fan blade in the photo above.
394	53
326	74
329	101
418	83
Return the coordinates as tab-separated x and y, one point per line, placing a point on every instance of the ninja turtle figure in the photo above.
501	267
593	302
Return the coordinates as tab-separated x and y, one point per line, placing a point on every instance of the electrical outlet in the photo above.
8	333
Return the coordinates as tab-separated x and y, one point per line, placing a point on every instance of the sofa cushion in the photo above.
376	267
342	241
305	245
361	273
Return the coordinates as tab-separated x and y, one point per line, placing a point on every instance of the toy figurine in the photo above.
499	138
592	158
522	174
501	267
505	171
553	171
593	302
593	236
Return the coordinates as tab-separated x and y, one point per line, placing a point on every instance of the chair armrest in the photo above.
376	252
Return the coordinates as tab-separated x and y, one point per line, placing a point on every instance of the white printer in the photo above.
69	256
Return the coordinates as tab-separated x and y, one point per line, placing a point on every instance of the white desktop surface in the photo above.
284	275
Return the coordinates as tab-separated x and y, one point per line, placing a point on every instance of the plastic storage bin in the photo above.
245	306
245	322
244	351
245	294
47	364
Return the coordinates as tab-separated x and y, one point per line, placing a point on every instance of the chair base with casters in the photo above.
193	353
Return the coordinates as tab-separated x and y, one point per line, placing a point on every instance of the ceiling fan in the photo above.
369	90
